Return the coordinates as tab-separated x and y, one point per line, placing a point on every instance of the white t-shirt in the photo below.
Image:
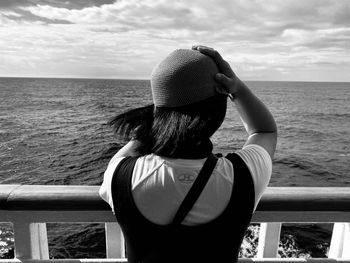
160	184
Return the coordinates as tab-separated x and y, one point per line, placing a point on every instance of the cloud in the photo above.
26	16
331	38
17	9
261	36
256	21
73	4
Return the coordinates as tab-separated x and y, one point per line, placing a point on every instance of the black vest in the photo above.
218	240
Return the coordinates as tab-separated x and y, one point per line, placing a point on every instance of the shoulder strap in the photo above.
196	189
121	181
243	185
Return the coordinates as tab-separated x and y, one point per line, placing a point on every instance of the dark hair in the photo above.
181	132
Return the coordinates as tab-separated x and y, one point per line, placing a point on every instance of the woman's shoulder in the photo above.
259	163
252	155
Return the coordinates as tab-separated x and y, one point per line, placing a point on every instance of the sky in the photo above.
288	40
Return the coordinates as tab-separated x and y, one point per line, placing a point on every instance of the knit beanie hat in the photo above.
183	77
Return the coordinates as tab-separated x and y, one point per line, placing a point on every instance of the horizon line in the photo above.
145	79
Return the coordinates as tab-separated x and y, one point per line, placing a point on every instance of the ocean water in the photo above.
54	131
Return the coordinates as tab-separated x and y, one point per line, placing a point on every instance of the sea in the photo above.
55	132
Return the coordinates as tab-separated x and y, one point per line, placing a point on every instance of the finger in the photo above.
207	51
226	69
223	65
210	52
215	55
196	47
224	80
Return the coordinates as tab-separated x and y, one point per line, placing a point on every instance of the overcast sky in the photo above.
302	40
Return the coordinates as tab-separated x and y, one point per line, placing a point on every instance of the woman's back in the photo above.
217	239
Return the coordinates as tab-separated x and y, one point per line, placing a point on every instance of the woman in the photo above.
174	200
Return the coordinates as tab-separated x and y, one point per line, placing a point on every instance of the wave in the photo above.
327	116
307	165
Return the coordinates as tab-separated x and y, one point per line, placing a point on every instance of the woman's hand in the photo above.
226	77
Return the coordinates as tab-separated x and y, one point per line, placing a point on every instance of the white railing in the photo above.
30	207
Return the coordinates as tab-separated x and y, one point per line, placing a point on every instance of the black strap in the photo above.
196	189
124	167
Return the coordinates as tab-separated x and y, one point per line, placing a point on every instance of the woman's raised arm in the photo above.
257	119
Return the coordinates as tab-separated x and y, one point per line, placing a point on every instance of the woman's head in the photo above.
187	109
182	78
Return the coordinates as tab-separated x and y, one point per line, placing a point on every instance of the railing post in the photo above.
269	237
340	242
115	245
30	240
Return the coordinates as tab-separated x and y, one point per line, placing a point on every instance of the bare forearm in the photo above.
255	115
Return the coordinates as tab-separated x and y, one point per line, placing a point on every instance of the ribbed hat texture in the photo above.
185	76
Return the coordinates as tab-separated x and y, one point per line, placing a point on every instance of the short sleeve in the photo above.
105	191
259	164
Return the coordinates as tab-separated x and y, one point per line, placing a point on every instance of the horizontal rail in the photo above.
108	217
30	207
86	198
51	197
